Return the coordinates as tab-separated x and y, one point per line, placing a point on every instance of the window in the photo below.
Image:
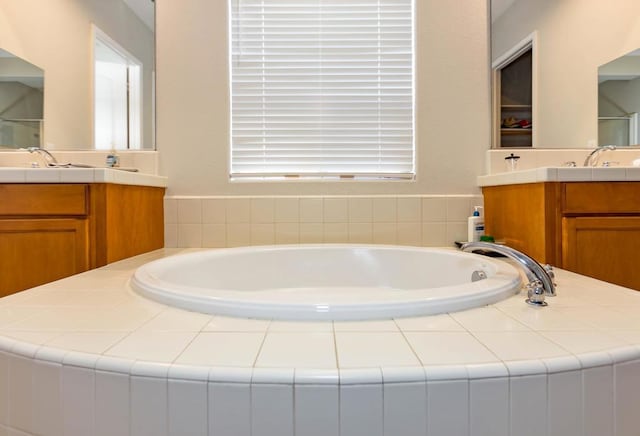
117	96
322	88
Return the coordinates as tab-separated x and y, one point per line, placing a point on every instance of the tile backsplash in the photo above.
231	221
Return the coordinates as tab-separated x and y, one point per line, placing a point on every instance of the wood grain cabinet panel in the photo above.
51	231
37	251
592	228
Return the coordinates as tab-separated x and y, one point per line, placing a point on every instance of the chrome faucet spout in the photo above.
592	158
540	277
49	159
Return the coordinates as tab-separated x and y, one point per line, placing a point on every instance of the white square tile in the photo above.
335	210
384	233
262	210
222	349
170	210
271	410
149	406
456	231
47	407
78	400
263	234
458	208
187	408
335	232
238	210
176	320
385	325
434	234
360	233
170	235
489	407
360	210
487	319
190	235
361	410
214	235
301	326
311	210
214	211
20	392
189	211
229	409
448	407
409	233
627	392
311	233
598	400
384	210
238	235
565	404
409	209
298	350
287	210
405	409
356	350
443	322
445	348
112	404
230	324
434	209
579	342
287	233
316	410
153	346
527	392
519	345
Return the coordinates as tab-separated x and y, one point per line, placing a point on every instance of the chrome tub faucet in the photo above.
540	277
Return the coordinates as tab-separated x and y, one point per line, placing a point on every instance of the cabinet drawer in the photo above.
601	197
43	200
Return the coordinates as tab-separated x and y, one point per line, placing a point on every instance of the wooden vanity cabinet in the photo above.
592	228
51	231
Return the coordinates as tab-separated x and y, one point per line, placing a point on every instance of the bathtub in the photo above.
326	282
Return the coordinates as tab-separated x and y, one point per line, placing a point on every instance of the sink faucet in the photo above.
592	159
540	277
48	158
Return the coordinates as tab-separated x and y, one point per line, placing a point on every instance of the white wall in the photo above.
55	35
452	103
574	38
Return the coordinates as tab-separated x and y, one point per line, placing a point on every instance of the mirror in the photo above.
573	38
21	102
58	37
619	100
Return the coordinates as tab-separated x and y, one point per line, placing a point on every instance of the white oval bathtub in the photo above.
326	281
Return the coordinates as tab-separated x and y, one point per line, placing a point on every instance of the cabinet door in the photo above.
37	251
606	248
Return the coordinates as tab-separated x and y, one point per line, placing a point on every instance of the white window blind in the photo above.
322	88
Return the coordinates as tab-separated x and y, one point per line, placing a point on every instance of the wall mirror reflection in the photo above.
21	102
573	39
68	56
619	100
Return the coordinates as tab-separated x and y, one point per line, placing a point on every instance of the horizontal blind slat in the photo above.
322	88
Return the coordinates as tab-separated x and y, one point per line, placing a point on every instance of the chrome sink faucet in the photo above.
592	159
48	158
540	277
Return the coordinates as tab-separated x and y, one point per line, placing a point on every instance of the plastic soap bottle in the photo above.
475	225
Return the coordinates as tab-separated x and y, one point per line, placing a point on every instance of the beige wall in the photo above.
574	38
56	36
452	103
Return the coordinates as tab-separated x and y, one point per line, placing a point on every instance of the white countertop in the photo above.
79	175
95	320
562	174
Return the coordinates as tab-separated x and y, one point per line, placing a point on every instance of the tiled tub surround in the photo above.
226	221
86	356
